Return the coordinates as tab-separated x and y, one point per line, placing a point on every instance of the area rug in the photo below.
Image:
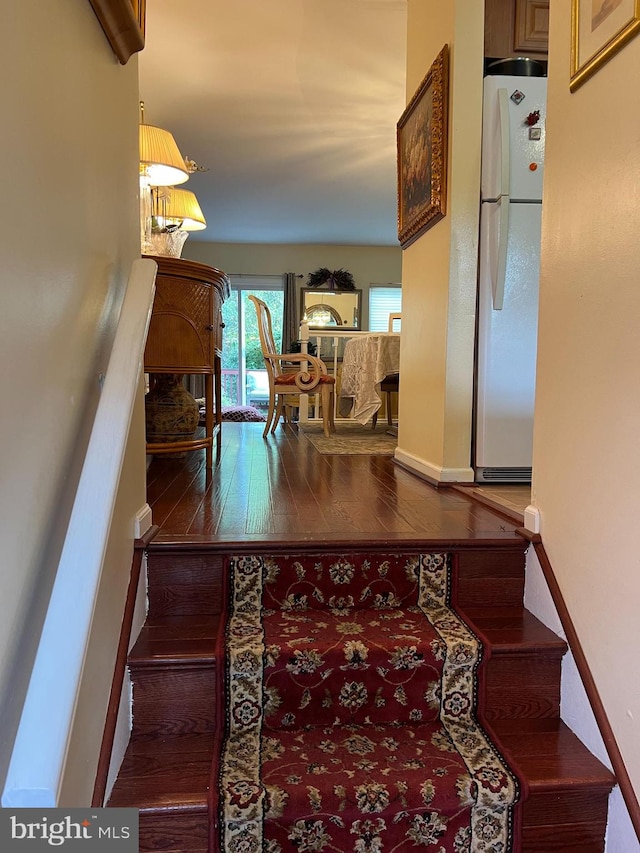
350	712
351	439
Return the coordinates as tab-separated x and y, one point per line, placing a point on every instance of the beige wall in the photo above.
69	234
439	269
367	264
586	460
587	418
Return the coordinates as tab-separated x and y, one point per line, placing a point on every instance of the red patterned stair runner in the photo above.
350	720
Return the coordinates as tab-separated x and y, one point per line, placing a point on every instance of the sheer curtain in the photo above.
290	323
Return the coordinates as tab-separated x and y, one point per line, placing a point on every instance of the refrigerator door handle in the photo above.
498	282
505	142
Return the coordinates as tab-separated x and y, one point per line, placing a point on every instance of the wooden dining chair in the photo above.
391	383
393	320
310	378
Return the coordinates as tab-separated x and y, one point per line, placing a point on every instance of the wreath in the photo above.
336	279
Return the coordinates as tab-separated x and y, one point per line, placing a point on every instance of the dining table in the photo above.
367	359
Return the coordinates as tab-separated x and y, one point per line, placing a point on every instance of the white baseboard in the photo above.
433	473
142	521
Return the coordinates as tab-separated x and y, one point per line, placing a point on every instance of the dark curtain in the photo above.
290	322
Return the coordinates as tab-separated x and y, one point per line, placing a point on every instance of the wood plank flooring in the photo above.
280	489
508	498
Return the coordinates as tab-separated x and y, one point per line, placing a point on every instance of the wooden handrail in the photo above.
593	695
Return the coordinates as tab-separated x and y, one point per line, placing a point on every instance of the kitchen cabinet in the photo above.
185	337
516	28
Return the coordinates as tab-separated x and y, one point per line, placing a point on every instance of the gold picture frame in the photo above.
422	138
123	22
599	29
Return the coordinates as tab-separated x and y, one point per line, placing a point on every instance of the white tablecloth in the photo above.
367	359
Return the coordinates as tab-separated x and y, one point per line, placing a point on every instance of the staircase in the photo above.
166	770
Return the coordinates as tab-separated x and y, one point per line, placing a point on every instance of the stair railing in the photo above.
40	748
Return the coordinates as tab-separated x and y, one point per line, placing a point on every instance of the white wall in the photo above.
367	264
576	710
439	268
69	234
586	462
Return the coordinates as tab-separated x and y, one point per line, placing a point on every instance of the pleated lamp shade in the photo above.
182	206
160	159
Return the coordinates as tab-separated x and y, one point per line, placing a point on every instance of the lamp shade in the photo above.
182	207
160	159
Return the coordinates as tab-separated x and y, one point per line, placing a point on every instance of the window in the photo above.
383	300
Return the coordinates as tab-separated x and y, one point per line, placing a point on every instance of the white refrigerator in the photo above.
509	267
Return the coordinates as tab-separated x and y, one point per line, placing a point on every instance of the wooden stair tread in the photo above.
549	754
166	803
165	774
176	639
514	630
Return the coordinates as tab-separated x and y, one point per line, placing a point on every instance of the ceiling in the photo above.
290	105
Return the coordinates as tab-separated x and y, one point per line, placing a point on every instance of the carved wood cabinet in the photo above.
185	337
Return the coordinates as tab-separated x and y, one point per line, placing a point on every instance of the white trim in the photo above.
434	473
532	519
242	281
40	749
142	522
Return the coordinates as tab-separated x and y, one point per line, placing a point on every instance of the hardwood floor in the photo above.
509	499
282	489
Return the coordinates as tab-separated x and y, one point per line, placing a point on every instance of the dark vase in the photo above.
171	413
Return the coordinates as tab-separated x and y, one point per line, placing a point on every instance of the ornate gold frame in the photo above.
422	138
582	69
123	22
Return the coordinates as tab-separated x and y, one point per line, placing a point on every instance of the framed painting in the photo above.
123	22
422	153
599	29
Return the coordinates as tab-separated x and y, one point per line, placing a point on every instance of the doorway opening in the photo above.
244	377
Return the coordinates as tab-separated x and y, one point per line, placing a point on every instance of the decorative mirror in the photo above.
331	308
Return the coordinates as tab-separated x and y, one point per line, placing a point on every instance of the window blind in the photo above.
383	300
